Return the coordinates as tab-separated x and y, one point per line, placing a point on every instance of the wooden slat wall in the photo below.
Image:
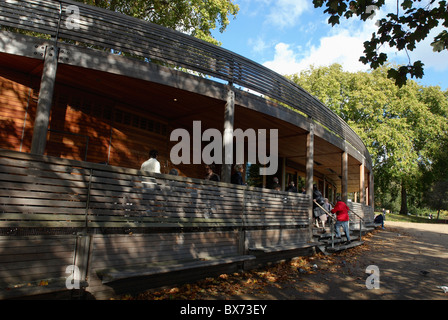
28	260
134	218
46	192
17	112
84	127
133	200
276	237
270	208
38	194
113	252
363	211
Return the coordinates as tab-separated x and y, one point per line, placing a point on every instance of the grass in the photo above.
411	218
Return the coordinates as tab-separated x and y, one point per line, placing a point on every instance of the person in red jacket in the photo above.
341	211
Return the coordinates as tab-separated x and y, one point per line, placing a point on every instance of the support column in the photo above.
39	140
229	115
309	170
344	182
362	186
371	191
324	192
284	174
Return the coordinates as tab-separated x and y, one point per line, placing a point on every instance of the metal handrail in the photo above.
334	219
361	220
121	34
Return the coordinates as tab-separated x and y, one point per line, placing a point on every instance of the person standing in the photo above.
152	164
237	177
210	173
341	211
318	201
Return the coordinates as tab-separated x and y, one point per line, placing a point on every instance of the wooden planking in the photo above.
31	259
362	211
115	253
118	251
42	194
17	109
162	201
276	237
47	190
113	275
268	207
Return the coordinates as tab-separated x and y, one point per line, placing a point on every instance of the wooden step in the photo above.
327	241
340	247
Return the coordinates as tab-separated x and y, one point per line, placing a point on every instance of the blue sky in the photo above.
288	36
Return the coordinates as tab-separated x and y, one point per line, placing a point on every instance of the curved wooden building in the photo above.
86	93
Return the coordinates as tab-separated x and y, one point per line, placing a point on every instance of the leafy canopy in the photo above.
195	17
403	128
403	29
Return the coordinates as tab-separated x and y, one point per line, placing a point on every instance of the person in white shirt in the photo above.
152	164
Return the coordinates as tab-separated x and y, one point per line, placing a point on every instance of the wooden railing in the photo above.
106	30
40	191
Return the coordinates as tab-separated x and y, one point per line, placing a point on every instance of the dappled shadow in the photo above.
400	258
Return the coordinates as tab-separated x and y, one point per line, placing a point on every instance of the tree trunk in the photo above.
404	202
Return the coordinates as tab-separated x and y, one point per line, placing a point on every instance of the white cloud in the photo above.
258	45
344	44
340	47
285	13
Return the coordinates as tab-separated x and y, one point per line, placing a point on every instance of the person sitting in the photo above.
379	219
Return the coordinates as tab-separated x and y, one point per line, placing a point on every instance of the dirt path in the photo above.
401	252
411	261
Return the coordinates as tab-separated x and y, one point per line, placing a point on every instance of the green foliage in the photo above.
437	196
404	128
411	23
421	218
195	17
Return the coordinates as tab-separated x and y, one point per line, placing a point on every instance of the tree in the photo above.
195	17
437	196
403	128
410	24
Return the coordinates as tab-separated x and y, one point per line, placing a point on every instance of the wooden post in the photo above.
39	140
81	260
362	183
344	182
324	192
229	115
371	191
284	174
309	170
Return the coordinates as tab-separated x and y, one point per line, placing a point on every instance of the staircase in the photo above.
327	245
